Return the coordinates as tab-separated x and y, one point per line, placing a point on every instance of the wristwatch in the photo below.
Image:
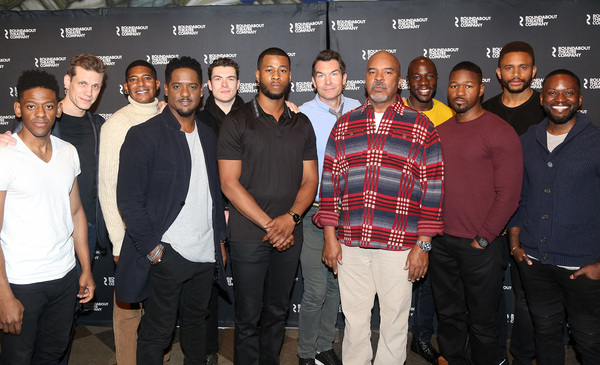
297	218
424	245
483	243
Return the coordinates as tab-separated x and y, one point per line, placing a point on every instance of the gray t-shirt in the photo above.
191	234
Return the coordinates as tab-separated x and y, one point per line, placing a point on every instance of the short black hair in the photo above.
326	56
224	62
143	63
183	62
468	66
562	71
273	51
32	79
517	46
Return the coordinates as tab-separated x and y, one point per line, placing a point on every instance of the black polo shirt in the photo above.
272	154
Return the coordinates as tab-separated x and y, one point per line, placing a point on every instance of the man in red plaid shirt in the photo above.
383	164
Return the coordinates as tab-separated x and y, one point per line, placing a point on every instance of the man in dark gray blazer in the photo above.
169	195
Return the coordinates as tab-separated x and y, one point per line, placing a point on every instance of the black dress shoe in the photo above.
425	350
303	361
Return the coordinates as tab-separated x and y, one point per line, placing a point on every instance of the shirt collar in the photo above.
326	107
258	111
398	106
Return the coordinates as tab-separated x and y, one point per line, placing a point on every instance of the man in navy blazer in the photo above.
169	195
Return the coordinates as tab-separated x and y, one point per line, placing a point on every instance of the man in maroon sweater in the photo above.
483	167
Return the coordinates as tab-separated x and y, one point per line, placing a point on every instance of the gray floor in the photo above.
95	346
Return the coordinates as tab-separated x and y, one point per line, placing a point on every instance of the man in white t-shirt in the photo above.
43	226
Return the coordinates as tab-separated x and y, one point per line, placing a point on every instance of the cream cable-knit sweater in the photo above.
112	137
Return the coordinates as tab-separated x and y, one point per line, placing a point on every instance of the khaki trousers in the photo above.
364	273
125	326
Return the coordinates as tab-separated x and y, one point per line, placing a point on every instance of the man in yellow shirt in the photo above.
422	82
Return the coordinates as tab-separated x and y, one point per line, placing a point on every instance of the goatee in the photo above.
274	96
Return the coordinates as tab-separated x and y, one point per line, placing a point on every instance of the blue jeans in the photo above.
550	292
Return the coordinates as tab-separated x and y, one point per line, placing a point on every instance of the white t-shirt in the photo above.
191	234
378	117
36	233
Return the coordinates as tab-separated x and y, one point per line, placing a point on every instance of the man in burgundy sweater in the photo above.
483	169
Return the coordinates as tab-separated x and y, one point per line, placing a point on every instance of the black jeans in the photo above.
467	283
422	301
522	345
212	322
549	292
263	279
47	321
177	287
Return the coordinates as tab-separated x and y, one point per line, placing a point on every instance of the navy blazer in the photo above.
154	175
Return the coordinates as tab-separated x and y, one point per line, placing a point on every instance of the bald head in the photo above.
386	57
422	79
421	62
383	80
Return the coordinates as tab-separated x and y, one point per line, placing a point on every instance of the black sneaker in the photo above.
327	358
303	361
425	350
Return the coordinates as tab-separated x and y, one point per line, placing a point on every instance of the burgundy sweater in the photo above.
483	163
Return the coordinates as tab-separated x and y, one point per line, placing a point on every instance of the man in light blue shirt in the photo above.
321	298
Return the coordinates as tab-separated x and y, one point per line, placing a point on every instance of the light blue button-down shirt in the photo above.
323	121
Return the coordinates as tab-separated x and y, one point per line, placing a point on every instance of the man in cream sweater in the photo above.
141	87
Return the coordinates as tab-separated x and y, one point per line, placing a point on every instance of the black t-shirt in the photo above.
272	154
79	132
521	117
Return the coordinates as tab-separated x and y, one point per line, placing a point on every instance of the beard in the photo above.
274	96
185	113
524	86
559	120
460	109
373	96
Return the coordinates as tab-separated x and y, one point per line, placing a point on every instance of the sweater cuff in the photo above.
489	236
430	228
325	218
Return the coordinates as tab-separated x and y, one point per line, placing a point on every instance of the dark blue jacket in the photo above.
154	176
558	212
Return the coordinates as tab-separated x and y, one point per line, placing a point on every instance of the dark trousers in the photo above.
47	321
522	345
502	310
550	292
466	283
422	301
78	308
212	322
263	279
177	287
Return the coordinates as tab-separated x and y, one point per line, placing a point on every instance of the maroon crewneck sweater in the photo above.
483	164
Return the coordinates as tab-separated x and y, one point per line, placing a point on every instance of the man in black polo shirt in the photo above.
268	166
